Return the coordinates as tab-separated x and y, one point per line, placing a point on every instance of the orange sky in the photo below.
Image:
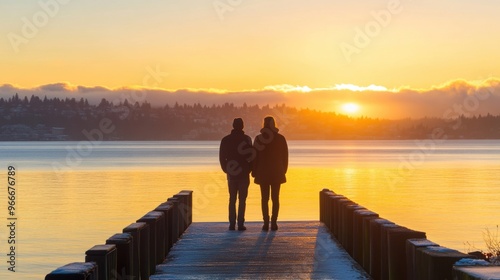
248	45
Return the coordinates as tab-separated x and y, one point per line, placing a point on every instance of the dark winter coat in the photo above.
271	161
235	155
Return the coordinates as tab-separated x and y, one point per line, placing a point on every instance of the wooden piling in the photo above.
411	249
183	211
396	243
74	271
189	205
384	249
375	266
349	226
325	207
140	233
339	228
358	235
167	210
332	217
125	255
176	231
367	241
436	262
154	219
322	205
105	256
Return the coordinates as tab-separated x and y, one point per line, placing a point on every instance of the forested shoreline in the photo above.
44	119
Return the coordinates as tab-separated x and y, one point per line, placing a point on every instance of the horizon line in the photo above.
285	88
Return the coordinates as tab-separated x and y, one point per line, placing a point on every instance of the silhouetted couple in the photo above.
266	160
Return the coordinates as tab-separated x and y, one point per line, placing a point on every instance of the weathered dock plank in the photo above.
298	250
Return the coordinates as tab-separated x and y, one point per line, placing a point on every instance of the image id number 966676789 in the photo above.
11	218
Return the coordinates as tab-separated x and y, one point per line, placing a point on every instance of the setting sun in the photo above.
350	108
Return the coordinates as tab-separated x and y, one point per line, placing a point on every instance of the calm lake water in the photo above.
71	195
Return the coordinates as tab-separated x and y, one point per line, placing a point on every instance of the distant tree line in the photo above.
45	118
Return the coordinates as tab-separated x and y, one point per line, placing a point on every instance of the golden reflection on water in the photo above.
61	216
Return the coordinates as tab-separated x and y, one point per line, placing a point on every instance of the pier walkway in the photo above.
298	250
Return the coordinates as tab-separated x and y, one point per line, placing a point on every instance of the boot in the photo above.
265	227
274	226
274	219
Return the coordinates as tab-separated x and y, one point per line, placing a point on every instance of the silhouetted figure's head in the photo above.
238	123
270	123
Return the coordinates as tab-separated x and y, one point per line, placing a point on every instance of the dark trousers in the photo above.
238	189
274	190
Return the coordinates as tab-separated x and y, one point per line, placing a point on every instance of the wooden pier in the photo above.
298	250
348	242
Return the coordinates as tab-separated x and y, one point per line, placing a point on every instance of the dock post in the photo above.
384	248
345	229
140	234
396	241
166	209
176	233
106	258
367	247
327	215
74	271
411	249
376	247
349	233
323	206
125	254
155	221
183	211
337	216
328	208
190	205
333	200
436	262
357	238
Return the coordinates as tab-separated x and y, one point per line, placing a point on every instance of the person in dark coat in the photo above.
269	168
235	154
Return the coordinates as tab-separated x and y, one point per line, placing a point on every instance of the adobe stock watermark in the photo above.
31	26
225	6
94	137
210	191
364	35
425	148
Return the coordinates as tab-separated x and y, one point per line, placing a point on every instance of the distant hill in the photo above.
70	119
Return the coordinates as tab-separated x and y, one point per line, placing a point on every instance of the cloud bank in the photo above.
446	101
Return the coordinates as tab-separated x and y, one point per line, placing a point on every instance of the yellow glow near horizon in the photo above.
350	108
352	87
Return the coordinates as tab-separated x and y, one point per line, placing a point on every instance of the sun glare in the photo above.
350	108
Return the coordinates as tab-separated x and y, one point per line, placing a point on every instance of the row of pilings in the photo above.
135	252
387	250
